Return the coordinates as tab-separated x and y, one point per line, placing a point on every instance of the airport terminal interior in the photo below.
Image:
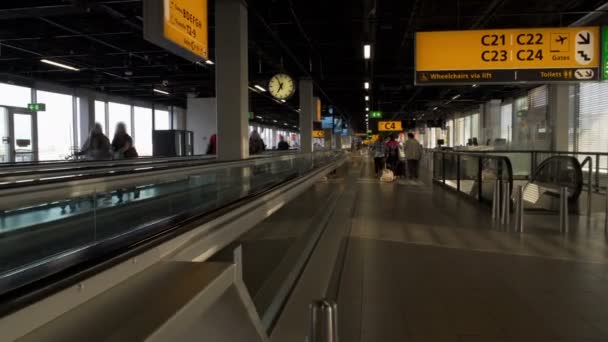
304	170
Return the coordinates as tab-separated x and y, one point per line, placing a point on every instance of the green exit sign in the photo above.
36	107
375	115
250	115
605	53
369	131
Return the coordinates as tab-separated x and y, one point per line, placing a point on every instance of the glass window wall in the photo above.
55	126
100	115
15	96
118	113
162	120
143	130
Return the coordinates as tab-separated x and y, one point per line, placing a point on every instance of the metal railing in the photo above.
323	321
473	174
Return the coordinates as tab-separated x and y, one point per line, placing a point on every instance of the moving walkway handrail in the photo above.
53	189
98	255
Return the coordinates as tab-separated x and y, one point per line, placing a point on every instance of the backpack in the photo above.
393	150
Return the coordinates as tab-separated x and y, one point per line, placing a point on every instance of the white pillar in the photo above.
308	111
559	114
201	119
231	79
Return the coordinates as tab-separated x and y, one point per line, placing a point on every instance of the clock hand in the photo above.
280	86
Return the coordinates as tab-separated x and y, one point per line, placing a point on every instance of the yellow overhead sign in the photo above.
318	134
185	24
512	55
390	126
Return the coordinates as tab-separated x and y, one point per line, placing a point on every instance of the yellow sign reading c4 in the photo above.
390	126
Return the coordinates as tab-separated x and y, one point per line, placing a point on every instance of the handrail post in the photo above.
563	210
519	209
458	174
496	201
597	172
506	203
323	324
606	214
590	192
479	179
443	167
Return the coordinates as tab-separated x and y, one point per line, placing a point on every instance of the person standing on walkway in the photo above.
413	153
379	153
256	144
392	154
283	145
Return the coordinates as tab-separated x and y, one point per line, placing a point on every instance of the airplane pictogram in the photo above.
561	39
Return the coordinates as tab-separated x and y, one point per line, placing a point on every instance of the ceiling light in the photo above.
435	108
283	101
366	85
260	88
59	65
210	62
367	51
474	85
367	109
253	89
259	117
456	97
366	98
274	120
161	91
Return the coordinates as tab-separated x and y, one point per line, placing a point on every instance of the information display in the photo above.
179	26
605	53
513	55
390	126
318	134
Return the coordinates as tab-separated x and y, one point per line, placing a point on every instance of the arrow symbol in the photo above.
589	73
585	39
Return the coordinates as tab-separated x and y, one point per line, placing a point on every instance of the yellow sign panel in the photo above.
318	134
513	55
319	109
390	126
185	24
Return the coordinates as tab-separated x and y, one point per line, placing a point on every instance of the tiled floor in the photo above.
425	265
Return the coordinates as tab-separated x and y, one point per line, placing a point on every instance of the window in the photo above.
55	126
142	130
475	125
162	120
118	113
15	96
538	97
593	118
100	115
506	121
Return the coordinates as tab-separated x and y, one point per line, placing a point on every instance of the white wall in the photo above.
201	119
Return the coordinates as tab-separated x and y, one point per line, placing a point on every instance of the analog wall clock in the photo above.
282	86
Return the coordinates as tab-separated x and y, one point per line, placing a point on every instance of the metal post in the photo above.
519	209
505	217
323	321
563	210
496	201
597	172
606	214
590	191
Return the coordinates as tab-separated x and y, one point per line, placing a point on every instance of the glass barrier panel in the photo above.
451	170
469	170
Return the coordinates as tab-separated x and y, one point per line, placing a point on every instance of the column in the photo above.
559	115
201	119
231	79
307	114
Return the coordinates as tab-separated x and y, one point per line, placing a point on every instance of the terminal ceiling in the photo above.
322	39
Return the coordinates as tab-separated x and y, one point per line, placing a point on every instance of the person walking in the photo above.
379	153
413	153
122	144
97	146
256	144
283	145
212	147
392	154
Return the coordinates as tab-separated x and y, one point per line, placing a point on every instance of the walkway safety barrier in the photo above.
496	202
505	217
519	209
563	210
323	321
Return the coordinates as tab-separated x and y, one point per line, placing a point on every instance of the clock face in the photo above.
281	86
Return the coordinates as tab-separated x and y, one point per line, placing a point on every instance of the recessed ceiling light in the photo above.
367	51
161	91
210	62
61	65
260	88
456	97
366	85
